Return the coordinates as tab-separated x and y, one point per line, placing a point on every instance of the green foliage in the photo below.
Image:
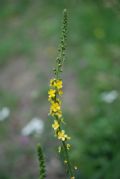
99	155
41	162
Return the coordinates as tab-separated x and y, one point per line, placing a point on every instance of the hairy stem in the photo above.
42	171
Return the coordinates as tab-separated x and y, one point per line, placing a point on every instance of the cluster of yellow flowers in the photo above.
54	94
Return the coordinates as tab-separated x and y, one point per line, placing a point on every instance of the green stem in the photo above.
57	70
70	171
68	160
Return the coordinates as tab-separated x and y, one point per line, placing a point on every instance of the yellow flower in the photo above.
54	107
72	177
61	135
58	114
65	161
58	84
68	146
59	149
51	93
75	167
52	82
67	137
60	92
55	125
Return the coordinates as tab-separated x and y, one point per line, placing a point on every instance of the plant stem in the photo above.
70	171
58	68
68	160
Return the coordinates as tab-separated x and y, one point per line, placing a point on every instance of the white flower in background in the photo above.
109	97
36	125
4	113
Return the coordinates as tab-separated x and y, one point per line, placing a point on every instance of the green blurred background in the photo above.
29	37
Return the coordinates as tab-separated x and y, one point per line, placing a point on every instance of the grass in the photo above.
8	99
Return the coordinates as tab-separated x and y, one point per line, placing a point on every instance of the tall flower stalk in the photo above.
42	170
54	96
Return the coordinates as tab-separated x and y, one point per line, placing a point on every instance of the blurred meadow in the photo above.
29	38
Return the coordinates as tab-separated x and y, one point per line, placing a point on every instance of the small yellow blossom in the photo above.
59	84
67	137
68	146
55	125
75	167
51	93
58	114
54	107
60	92
52	82
65	161
62	136
73	177
59	149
